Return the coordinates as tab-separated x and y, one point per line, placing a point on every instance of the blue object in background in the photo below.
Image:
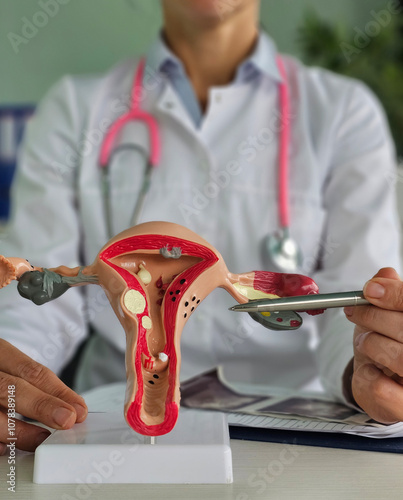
321	439
12	123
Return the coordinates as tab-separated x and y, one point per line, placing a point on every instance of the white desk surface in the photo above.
312	474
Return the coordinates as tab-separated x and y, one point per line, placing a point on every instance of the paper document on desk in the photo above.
287	411
291	411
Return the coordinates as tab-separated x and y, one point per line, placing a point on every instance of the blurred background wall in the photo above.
91	35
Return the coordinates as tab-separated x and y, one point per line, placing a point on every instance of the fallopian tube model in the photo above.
154	275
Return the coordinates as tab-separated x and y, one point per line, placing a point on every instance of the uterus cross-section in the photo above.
155	275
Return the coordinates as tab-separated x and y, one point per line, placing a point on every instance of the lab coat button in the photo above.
218	98
169	105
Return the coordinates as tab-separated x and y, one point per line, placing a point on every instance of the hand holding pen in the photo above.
377	378
375	375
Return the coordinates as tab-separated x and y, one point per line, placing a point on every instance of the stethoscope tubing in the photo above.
136	113
284	142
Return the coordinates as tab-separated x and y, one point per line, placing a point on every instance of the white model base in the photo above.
104	449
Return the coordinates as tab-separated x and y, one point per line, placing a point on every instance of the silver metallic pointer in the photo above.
303	302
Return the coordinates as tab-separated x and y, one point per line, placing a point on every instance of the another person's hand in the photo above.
377	382
38	394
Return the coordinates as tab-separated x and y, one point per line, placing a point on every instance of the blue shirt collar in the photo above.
261	61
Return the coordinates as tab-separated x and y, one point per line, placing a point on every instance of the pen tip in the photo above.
240	308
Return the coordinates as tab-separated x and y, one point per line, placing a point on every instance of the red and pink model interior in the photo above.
155	275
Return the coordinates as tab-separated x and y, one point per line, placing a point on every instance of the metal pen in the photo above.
304	302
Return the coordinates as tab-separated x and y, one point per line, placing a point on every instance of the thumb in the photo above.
387	272
385	290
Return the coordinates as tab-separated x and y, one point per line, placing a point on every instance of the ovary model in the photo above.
154	275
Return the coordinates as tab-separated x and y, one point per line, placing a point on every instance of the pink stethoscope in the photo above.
278	250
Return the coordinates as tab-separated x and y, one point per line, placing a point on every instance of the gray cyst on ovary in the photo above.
30	286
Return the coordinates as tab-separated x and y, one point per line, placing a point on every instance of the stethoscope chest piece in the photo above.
280	251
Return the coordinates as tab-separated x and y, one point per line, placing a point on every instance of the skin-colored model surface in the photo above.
154	275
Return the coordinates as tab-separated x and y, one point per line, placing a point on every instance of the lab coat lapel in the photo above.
171	105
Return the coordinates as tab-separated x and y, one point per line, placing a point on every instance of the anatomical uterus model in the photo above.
154	275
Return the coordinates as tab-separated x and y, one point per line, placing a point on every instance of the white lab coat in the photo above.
342	206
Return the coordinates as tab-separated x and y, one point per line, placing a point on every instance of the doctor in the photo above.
212	82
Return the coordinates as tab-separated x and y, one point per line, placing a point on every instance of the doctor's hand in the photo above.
377	382
34	391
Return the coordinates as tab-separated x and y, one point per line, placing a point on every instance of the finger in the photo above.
28	436
20	365
359	358
381	350
362	359
378	395
389	323
387	272
36	404
386	293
